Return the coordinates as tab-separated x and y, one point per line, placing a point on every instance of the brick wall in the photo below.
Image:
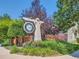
56	37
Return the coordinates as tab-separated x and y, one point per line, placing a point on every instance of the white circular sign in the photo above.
29	27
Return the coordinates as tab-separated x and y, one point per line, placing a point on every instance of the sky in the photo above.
14	7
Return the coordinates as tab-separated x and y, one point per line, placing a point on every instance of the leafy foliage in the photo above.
15	29
68	12
4	25
34	51
6	42
10	28
47	48
60	46
15	49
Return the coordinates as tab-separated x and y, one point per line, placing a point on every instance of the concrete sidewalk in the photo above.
4	54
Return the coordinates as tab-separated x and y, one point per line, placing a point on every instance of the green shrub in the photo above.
70	47
10	28
45	44
15	49
35	51
60	46
15	30
6	42
47	48
54	45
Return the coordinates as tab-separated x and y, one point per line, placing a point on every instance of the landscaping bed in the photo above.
34	51
46	48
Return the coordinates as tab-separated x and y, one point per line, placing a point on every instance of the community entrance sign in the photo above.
33	25
29	27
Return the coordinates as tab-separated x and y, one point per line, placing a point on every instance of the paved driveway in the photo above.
4	54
